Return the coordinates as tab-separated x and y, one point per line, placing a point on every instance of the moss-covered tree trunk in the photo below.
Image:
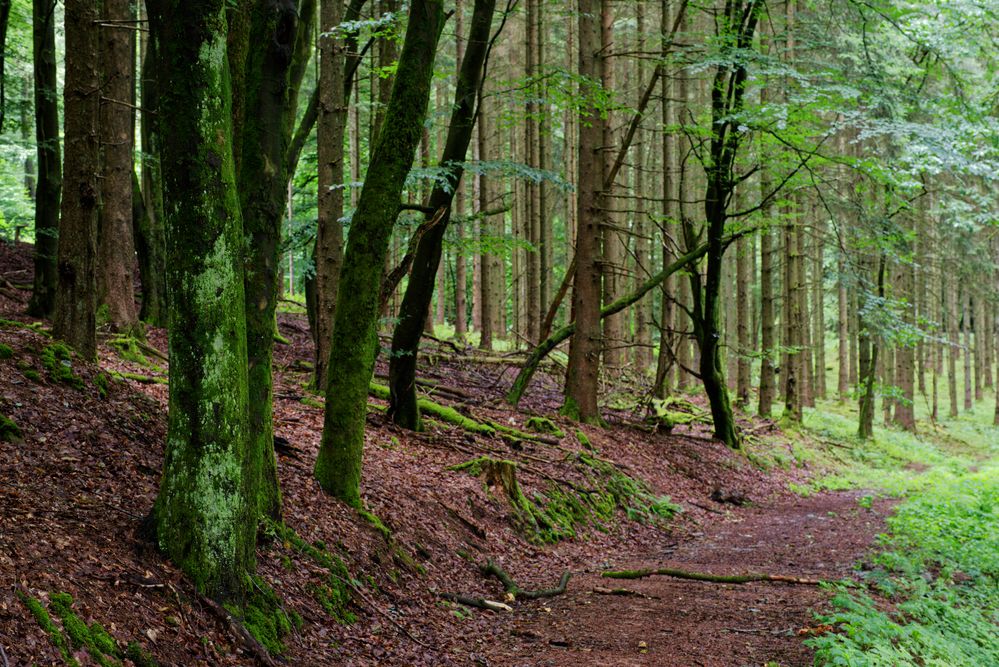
205	514
355	333
49	184
280	42
420	289
74	319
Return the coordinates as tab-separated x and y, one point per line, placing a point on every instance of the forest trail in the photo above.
671	622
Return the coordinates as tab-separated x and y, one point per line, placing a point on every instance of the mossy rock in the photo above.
9	430
545	426
58	361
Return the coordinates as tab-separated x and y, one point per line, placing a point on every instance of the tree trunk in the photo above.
49	183
868	364
355	328
419	290
842	327
116	250
584	350
205	513
74	320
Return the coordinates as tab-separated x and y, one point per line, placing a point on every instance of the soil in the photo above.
76	487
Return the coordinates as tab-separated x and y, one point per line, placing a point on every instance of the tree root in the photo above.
713	578
250	643
492	569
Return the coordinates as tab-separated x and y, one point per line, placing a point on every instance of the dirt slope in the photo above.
78	482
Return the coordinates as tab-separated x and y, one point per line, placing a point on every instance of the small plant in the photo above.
866	501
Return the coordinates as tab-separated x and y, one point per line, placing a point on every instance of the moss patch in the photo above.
675	411
58	361
265	617
102	384
6	351
139	656
562	511
9	430
45	623
333	593
129	350
544	425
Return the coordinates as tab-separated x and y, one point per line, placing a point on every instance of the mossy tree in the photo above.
420	289
205	514
271	79
355	324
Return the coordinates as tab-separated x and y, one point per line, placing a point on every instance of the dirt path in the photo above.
673	622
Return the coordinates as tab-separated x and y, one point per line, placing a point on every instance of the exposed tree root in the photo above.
250	643
705	576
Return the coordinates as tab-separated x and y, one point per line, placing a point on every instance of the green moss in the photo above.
139	656
9	430
333	593
544	425
99	644
265	617
102	383
128	349
45	623
584	440
31	374
6	351
373	519
37	327
58	361
313	402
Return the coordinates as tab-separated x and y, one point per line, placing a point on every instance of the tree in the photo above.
115	250
584	349
205	515
355	328
49	183
75	315
419	290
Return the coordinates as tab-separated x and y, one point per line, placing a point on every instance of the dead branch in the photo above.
479	603
713	578
492	569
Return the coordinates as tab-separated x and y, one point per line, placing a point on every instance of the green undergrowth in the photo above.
75	634
939	568
9	430
563	510
58	361
6	351
333	592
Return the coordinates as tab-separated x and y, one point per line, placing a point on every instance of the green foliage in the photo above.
58	361
9	430
102	382
6	351
941	569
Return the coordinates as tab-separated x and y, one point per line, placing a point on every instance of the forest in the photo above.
499	332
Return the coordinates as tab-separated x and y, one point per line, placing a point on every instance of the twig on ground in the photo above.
713	578
479	603
492	569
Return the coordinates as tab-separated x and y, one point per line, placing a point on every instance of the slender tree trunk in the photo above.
205	513
355	328
842	377
74	320
868	362
905	358
584	350
954	342
419	290
49	183
966	350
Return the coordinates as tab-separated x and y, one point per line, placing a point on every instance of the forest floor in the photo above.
80	473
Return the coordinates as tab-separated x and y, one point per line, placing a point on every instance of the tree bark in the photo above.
584	350
205	513
116	250
419	291
355	328
49	183
74	319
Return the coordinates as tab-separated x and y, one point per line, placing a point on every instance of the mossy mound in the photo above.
9	430
675	411
545	426
562	511
58	361
128	349
6	351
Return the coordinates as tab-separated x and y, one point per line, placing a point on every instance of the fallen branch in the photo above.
600	590
479	603
705	576
510	586
135	377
